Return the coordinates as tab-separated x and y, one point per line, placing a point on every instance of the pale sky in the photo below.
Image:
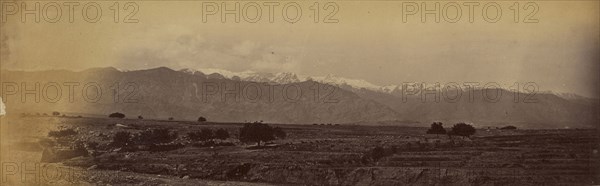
370	42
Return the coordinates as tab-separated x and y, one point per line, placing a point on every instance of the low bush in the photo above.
377	153
510	127
155	136
165	147
202	135
212	144
62	133
121	139
221	134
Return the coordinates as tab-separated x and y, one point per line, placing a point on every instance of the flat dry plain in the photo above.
310	155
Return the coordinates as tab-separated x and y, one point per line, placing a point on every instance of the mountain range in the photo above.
288	77
225	96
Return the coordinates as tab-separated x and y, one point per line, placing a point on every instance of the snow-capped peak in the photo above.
390	88
188	71
226	73
288	77
565	95
354	83
285	77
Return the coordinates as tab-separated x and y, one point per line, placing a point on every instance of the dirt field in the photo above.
310	155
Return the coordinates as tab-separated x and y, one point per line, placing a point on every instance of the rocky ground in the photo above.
310	155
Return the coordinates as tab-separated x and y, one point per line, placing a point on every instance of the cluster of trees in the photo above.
459	129
121	116
146	137
510	127
258	132
117	115
53	114
251	132
156	136
208	134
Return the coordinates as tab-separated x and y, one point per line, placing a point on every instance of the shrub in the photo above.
171	118
202	135
62	133
201	119
117	115
140	117
212	144
121	139
92	145
240	171
377	153
165	147
155	136
55	113
279	133
221	134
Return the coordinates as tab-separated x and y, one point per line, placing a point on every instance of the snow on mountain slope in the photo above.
565	95
358	84
288	77
354	83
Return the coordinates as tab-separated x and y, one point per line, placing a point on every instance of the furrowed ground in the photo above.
309	155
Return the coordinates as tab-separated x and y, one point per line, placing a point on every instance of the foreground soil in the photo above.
315	155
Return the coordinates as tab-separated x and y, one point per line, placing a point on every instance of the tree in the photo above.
462	129
55	113
201	119
221	134
436	128
171	118
257	132
117	115
510	127
140	117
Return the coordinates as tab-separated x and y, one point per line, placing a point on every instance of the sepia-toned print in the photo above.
290	92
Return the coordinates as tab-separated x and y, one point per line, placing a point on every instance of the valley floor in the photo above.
310	155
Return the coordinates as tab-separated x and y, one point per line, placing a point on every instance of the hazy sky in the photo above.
370	41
